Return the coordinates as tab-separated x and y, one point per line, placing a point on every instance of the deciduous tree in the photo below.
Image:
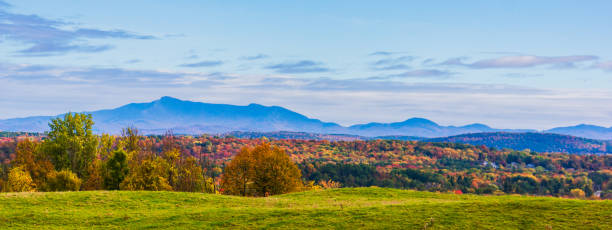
261	171
70	143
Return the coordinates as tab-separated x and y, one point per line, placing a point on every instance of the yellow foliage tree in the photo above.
577	193
191	178
64	180
149	175
261	171
19	180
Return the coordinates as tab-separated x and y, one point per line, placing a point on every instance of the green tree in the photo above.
116	170
70	143
130	138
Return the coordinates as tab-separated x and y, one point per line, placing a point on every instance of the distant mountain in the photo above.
419	127
539	142
315	136
587	131
187	117
295	136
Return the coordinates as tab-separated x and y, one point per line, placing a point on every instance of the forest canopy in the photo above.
78	160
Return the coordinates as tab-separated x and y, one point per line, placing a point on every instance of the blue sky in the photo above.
508	64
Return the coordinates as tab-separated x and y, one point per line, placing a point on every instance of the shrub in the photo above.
149	175
577	193
19	180
330	184
64	180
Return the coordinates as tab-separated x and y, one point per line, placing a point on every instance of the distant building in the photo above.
597	194
491	164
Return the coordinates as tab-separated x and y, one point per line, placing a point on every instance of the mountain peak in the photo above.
477	126
418	121
168	99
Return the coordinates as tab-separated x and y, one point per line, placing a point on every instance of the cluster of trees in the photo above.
71	158
470	181
204	163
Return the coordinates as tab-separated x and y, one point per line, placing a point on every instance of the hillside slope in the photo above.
539	142
349	208
583	130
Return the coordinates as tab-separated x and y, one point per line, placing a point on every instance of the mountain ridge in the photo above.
189	117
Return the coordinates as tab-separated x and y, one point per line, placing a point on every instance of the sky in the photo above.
507	64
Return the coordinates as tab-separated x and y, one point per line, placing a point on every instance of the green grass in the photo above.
349	208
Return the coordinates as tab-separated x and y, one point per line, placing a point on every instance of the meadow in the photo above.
345	208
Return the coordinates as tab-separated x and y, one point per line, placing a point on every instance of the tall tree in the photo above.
116	170
130	138
238	174
71	144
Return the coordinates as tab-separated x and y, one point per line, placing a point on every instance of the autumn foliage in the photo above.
261	171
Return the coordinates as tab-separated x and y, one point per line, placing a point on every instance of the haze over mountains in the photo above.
186	117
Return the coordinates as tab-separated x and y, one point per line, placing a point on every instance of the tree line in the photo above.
71	158
204	163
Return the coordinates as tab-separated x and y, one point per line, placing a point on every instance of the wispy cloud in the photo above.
39	89
3	4
304	66
606	66
133	61
419	73
41	74
524	61
521	75
202	64
392	63
424	73
52	37
381	53
255	57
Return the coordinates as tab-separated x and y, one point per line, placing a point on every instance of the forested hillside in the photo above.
539	142
399	164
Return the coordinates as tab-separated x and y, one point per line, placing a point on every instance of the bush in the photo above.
330	184
149	175
64	180
19	180
577	193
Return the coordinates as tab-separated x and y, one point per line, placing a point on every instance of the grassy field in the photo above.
338	209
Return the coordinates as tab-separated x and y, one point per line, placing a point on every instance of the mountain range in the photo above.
187	117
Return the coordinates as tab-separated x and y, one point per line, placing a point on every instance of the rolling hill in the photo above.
347	208
583	130
539	142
